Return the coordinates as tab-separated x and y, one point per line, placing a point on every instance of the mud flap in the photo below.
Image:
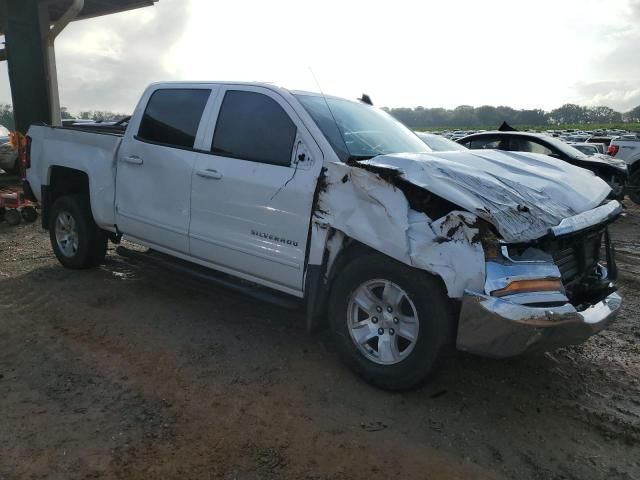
45	205
315	299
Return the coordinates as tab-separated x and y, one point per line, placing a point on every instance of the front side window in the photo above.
172	117
252	126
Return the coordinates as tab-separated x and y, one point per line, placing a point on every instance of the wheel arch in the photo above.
62	181
339	251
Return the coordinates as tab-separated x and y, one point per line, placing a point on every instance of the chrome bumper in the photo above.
495	327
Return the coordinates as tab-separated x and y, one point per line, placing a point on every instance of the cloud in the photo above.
614	71
589	58
619	95
105	64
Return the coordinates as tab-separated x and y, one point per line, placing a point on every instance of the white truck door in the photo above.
155	164
253	192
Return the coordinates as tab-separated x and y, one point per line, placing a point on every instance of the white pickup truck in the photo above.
403	252
628	149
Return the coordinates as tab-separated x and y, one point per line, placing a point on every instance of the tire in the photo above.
29	214
633	186
2	212
12	217
397	363
76	240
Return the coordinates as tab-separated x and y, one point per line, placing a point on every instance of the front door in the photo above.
253	193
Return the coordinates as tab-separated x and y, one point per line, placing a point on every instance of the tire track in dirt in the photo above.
132	373
32	292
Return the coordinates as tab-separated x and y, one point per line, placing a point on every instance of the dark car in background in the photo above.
611	170
8	155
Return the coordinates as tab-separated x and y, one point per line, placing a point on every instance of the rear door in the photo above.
253	192
155	164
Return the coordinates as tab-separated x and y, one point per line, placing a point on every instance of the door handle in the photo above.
210	174
133	159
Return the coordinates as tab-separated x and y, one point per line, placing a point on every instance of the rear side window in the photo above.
252	126
483	143
172	116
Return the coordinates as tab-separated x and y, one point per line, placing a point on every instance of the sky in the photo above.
402	53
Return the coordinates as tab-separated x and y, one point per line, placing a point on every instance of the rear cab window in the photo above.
172	117
253	126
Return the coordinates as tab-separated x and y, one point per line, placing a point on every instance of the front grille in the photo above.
567	263
576	256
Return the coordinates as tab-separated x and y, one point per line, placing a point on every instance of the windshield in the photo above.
440	144
360	131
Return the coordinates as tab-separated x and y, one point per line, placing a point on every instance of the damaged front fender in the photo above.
375	212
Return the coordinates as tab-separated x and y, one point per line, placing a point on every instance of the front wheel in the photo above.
76	239
393	324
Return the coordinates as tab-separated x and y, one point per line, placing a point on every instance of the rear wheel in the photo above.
393	324
76	239
633	187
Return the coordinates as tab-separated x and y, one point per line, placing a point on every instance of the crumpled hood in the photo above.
521	194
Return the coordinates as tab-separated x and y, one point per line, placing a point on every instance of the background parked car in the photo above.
438	143
612	171
8	156
600	139
628	151
588	149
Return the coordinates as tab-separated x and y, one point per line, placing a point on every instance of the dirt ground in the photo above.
131	372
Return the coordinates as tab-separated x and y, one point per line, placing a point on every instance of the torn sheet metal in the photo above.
522	194
369	209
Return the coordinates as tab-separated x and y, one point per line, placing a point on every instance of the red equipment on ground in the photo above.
14	208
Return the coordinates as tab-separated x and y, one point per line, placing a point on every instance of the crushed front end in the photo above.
540	295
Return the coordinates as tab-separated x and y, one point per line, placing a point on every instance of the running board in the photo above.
212	277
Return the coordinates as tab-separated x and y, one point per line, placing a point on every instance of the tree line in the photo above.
420	117
487	115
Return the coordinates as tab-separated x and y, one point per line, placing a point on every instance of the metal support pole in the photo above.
25	29
54	94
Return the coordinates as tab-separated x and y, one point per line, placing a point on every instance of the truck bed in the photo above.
91	152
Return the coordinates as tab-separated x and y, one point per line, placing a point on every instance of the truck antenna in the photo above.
330	111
